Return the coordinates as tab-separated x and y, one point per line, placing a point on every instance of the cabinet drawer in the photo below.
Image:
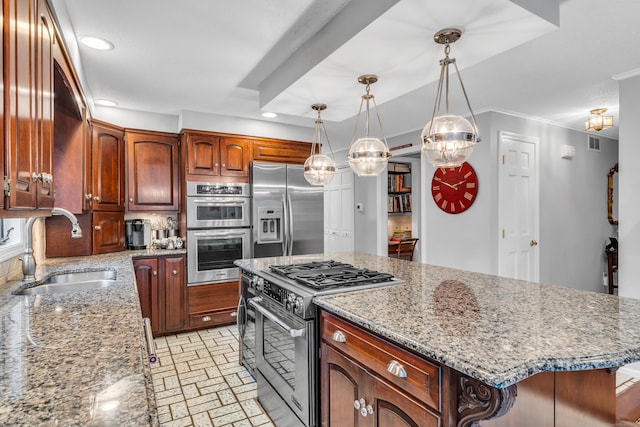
423	378
212	318
213	297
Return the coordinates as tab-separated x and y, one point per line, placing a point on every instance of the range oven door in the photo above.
285	357
211	212
210	254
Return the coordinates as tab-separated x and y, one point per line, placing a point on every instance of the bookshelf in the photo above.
399	189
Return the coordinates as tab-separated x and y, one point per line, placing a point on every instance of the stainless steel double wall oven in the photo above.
218	230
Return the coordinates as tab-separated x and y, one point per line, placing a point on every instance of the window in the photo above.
11	238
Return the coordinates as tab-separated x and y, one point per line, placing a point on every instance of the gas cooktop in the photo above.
330	274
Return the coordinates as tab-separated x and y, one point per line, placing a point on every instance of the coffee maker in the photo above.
134	234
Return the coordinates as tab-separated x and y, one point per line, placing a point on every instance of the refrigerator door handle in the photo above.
290	220
285	226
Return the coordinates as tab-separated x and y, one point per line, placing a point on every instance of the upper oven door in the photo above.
211	253
211	212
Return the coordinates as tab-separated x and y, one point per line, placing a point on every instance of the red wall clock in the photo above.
454	189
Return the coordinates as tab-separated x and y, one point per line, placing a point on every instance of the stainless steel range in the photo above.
287	340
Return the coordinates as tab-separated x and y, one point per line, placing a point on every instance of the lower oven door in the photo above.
285	356
210	254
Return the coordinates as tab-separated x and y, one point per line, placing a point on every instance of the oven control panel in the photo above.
288	300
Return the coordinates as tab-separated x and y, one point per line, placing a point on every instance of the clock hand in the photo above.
448	185
455	186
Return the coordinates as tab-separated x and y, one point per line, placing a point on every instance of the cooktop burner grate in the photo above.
340	277
289	269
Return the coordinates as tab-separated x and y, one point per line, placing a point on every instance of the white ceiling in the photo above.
242	57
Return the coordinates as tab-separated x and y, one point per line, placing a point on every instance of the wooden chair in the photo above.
406	247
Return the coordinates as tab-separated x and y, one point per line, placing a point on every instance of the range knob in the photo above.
298	305
258	283
290	302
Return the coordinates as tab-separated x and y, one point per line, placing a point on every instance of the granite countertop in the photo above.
76	358
497	330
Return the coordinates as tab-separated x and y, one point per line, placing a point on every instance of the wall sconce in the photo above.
319	168
448	140
597	121
368	156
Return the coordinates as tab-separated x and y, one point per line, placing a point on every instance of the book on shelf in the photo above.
399	203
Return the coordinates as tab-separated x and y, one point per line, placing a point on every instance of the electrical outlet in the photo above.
605	279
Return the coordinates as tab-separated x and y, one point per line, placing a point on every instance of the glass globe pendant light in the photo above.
319	169
368	156
448	139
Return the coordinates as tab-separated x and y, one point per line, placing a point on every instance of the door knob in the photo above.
533	243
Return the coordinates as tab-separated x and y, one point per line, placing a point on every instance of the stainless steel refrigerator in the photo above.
287	212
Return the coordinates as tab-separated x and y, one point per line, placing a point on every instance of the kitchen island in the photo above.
76	358
505	346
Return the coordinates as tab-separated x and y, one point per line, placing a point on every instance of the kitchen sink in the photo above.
72	282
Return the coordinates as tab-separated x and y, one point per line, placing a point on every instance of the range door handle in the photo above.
282	323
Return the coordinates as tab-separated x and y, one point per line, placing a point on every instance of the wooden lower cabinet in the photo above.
212	304
108	232
161	283
355	390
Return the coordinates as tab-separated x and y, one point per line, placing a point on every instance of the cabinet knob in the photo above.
206	319
223	165
359	404
96	198
88	196
233	314
533	243
155	273
97	227
395	368
338	336
175	272
47	178
131	199
35	177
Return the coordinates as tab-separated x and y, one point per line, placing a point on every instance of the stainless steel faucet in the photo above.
28	260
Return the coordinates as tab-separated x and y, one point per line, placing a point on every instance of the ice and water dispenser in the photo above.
270	223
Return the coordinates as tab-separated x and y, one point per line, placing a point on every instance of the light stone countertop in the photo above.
76	359
497	330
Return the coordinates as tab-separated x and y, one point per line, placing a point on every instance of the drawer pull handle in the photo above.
206	319
234	314
338	336
395	368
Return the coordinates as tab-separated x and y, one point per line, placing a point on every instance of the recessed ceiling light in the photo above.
106	102
96	43
269	115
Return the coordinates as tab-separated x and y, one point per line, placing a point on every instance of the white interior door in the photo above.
518	207
339	211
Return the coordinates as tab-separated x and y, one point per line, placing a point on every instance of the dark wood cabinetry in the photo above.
100	188
358	389
213	304
28	38
108	155
153	171
211	155
161	283
270	150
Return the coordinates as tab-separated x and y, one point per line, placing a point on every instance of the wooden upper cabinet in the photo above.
108	155
213	155
20	103
292	152
234	157
153	162
28	38
45	37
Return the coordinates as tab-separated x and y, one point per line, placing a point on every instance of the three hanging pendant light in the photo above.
447	139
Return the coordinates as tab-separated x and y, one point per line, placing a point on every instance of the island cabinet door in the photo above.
340	388
352	396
